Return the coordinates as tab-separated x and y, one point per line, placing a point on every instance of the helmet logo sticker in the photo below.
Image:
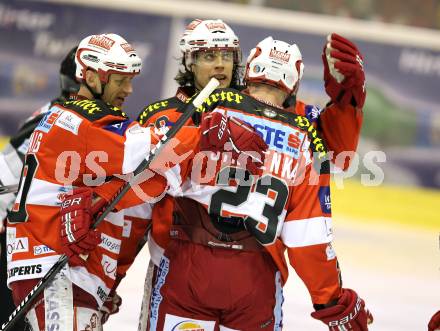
102	42
257	69
281	56
90	57
127	47
216	26
193	24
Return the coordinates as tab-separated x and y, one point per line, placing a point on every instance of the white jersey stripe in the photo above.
307	232
45	193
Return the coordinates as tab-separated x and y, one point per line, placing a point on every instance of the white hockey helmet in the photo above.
106	54
276	63
202	35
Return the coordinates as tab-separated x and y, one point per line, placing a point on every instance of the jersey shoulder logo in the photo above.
317	143
93	109
226	97
158	106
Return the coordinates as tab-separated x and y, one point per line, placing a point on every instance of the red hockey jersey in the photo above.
79	143
287	209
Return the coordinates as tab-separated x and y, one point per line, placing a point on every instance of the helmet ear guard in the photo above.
276	63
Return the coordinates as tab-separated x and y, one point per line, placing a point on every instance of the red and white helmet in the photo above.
202	35
276	63
106	54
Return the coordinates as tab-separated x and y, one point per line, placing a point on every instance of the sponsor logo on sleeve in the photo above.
110	244
48	120
119	127
42	249
69	121
109	266
324	199
18	245
32	269
313	112
330	252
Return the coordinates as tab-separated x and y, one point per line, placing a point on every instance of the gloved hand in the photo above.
348	314
344	76
110	306
434	323
77	212
246	143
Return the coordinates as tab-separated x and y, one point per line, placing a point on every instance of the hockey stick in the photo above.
8	189
188	111
145	307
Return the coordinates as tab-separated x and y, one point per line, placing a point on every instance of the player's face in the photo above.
213	63
117	89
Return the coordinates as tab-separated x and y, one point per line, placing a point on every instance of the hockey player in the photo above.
135	219
225	266
86	141
344	79
61	130
11	163
204	56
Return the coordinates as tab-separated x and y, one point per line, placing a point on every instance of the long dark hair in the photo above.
186	78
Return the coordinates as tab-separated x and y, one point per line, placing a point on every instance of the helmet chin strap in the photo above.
97	96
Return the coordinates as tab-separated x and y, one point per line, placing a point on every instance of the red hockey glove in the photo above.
76	218
344	76
110	306
434	323
348	314
246	144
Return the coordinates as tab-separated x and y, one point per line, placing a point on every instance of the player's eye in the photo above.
227	56
208	56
